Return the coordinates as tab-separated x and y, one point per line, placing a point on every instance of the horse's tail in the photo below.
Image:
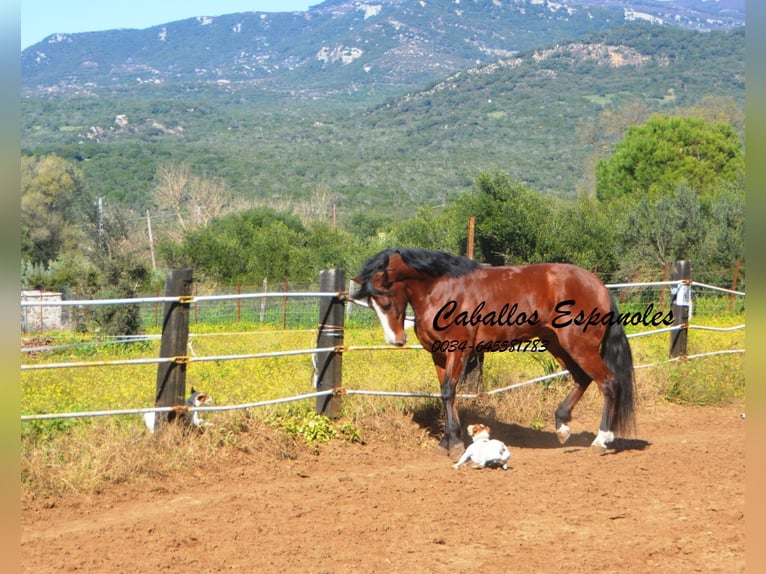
616	353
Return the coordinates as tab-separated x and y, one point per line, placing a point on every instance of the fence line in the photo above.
193	358
642	284
116	362
714	288
168	409
348	392
122	339
296	294
179	299
706	328
337	349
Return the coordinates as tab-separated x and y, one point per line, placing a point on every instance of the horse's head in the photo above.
381	285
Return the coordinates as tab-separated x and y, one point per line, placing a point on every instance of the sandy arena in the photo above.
672	500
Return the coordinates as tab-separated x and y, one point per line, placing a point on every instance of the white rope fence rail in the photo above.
116	362
179	359
644	284
179	299
296	294
719	289
168	409
337	349
347	392
706	328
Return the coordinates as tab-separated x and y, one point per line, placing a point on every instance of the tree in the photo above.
658	156
248	245
193	201
329	247
670	228
51	190
366	224
511	220
725	235
584	234
430	230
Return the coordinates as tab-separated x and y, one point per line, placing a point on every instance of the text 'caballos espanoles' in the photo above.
564	314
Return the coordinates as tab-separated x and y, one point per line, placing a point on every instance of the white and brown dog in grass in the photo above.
191	418
484	452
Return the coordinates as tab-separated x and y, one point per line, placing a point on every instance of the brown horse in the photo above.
463	309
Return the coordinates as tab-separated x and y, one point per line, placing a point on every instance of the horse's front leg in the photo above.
449	377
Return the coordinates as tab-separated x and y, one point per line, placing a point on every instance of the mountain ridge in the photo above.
338	45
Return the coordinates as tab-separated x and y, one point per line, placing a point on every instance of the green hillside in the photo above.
537	116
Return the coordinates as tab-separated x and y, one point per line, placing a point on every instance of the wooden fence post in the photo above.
682	272
171	377
263	300
196	305
734	283
284	304
471	232
239	301
328	364
157	310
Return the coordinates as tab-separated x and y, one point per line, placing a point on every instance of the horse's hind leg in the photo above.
564	410
605	432
582	380
599	372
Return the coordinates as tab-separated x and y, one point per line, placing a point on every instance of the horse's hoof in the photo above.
602	439
563	433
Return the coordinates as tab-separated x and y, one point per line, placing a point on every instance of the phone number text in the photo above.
514	345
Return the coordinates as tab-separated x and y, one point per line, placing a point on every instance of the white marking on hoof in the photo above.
602	439
563	433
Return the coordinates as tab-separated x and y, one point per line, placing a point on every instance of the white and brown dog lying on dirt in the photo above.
484	452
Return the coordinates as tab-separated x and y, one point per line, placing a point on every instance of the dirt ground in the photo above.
670	501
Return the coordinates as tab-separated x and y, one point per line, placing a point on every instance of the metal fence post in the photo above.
682	300
328	364
171	377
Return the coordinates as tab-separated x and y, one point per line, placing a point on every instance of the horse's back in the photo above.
550	282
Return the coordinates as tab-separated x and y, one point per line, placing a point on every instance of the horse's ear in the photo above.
395	269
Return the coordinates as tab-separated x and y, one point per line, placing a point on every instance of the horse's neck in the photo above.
418	292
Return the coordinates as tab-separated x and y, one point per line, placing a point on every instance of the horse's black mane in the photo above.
433	263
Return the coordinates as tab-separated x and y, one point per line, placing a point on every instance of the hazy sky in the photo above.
41	18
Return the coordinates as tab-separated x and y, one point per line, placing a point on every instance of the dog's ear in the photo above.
470	429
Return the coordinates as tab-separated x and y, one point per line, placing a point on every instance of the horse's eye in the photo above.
385	306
